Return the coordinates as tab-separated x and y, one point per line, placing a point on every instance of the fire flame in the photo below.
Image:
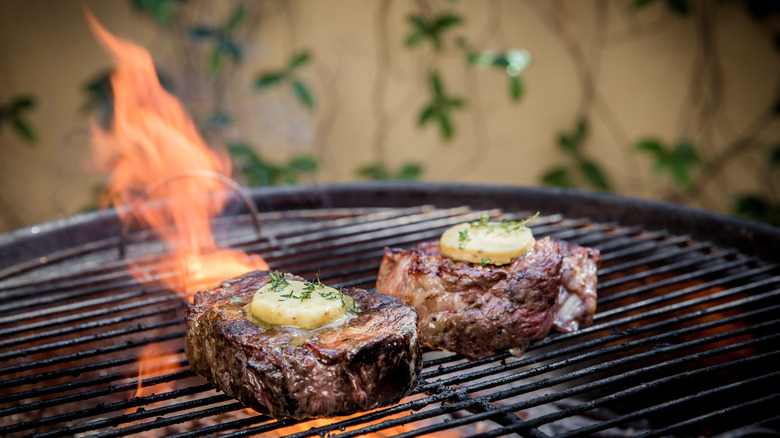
387	432
153	361
154	153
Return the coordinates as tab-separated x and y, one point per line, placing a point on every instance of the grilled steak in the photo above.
577	295
480	310
373	360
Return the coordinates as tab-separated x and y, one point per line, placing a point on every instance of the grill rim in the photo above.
569	227
34	244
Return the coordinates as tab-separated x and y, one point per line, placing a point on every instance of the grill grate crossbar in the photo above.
672	310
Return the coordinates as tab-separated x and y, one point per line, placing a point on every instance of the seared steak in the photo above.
577	295
373	360
480	310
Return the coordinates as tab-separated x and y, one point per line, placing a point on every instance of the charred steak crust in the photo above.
373	360
479	311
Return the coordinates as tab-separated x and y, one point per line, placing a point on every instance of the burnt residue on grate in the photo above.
684	342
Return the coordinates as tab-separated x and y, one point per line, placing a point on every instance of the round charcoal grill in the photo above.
685	341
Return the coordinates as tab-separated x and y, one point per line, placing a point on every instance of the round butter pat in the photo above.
495	243
299	304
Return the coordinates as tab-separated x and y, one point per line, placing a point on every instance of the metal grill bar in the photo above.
688	300
704	419
70	385
158	412
595	348
87	353
701	272
558	396
594	404
113	407
87	339
87	326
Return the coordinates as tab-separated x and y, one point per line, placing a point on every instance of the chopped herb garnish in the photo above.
278	282
234	298
525	221
509	226
485	262
354	308
290	295
331	295
483	220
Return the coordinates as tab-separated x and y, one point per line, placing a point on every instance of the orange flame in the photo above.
153	361
387	432
154	152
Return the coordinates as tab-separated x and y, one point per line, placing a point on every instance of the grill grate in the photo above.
685	339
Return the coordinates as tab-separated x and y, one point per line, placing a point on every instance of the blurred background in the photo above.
674	100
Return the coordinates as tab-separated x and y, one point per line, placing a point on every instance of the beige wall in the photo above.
641	64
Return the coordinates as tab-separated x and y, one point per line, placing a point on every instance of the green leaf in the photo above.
100	98
455	102
436	41
418	22
558	177
686	153
161	10
750	205
266	80
21	103
642	3
218	119
680	7
517	60
680	173
375	171
215	60
201	32
651	146
410	171
445	126
24	130
594	175
484	59
303	94
774	156
303	163
757	208
256	170
240	149
236	18
447	20
426	115
515	88
414	39
571	143
436	86
299	59
568	144
231	48
581	129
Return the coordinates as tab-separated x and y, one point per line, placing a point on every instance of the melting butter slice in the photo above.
299	304
495	243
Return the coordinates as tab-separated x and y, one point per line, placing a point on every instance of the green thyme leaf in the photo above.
290	295
278	282
483	221
525	221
